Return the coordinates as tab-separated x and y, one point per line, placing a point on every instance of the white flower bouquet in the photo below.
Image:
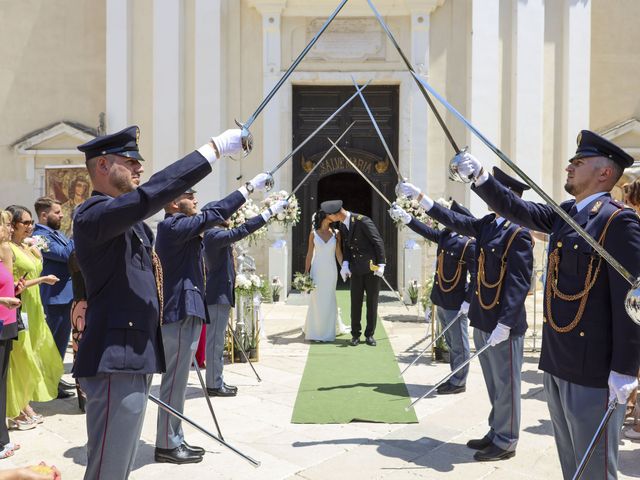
303	282
291	214
37	241
413	208
248	284
244	213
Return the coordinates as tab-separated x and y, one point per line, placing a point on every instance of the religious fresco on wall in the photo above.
70	186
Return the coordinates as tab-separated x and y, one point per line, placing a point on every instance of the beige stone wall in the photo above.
52	68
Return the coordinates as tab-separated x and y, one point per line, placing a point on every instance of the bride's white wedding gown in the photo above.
323	320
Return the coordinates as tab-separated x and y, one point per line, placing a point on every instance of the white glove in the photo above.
380	271
274	209
408	190
499	335
397	214
344	271
621	386
228	142
464	308
259	182
468	165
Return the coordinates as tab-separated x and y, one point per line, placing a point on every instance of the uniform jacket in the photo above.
55	263
361	242
452	246
179	247
492	239
114	250
606	338
218	252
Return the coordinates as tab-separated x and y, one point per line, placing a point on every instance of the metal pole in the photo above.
432	342
592	446
453	372
169	409
244	354
564	215
410	67
206	396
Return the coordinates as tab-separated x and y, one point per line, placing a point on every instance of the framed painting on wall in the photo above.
70	185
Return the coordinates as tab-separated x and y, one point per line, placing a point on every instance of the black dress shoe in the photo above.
493	453
193	449
480	443
371	341
221	392
62	385
450	388
354	341
176	455
233	388
64	394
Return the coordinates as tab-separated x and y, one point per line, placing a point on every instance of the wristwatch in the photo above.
249	187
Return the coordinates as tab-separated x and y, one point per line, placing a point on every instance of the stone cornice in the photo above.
353	8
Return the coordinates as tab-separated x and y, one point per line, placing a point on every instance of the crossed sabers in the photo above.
423	86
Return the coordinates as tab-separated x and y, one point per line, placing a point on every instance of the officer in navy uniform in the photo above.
220	294
179	248
122	343
452	293
504	262
590	351
56	298
363	249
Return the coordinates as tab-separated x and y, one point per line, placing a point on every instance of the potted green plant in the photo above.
413	291
254	343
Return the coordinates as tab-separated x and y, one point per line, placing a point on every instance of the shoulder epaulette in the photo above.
359	217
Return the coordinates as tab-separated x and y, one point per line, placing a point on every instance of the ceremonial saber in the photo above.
456	370
313	134
592	446
244	354
410	67
375	268
177	414
246	135
432	342
377	128
632	300
319	162
206	395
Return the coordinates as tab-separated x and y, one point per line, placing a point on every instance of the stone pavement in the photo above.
257	422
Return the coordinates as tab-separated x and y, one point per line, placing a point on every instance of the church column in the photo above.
575	79
210	103
167	82
527	88
272	129
484	82
118	64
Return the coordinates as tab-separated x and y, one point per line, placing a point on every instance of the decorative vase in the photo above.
253	354
414	301
276	297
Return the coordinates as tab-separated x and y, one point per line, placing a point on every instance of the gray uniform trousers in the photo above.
219	317
116	403
576	411
180	340
501	367
457	338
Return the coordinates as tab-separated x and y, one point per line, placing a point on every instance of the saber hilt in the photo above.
453	372
375	268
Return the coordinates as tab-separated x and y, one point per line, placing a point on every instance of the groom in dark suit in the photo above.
364	262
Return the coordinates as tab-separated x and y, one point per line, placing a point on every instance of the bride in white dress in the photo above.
323	320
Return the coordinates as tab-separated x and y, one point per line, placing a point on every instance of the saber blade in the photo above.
592	446
456	370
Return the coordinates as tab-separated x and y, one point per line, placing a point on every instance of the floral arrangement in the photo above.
291	214
37	241
244	213
303	282
414	291
413	208
248	284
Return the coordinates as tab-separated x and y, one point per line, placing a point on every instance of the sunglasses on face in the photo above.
26	222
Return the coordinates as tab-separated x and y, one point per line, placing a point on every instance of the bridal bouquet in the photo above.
248	284
291	214
303	282
244	213
37	241
413	208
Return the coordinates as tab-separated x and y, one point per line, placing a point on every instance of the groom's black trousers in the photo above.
360	284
